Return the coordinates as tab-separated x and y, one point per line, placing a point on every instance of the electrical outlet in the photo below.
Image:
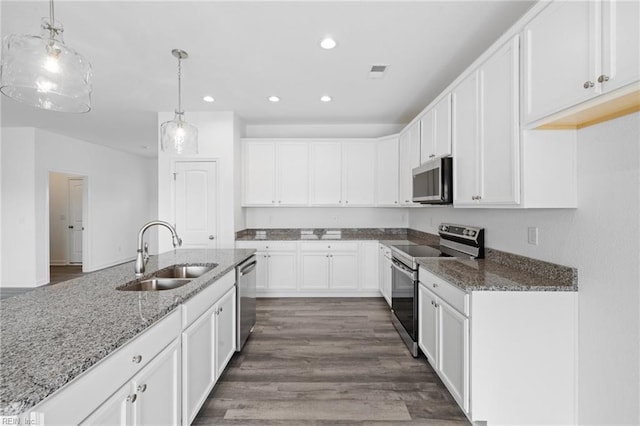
533	235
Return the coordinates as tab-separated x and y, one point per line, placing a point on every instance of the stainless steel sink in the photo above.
184	271
156	284
168	278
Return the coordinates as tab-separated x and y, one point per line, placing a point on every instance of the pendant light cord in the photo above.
179	85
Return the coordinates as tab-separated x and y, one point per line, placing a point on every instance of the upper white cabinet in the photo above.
325	164
435	138
409	158
259	173
574	51
486	132
387	172
276	173
359	172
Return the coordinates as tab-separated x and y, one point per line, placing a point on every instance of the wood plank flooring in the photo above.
327	361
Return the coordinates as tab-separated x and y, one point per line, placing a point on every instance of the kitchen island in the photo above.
54	334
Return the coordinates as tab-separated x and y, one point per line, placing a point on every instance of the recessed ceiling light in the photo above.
274	99
325	98
328	43
208	99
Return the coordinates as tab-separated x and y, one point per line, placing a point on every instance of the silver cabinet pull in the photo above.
136	359
142	388
435	285
220	309
211	237
603	78
432	156
588	84
132	398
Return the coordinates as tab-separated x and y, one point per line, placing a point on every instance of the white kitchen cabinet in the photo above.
359	173
325	164
369	265
277	264
387	172
207	346
329	266
575	51
275	173
259	173
453	359
384	261
435	140
486	132
225	330
281	273
409	158
443	336
292	173
501	371
151	398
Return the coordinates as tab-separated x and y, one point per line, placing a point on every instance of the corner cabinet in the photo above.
486	137
575	51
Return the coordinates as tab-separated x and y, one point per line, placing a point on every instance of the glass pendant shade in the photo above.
179	137
43	72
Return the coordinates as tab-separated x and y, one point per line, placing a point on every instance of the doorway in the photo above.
66	226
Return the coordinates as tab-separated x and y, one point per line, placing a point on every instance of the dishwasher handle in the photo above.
248	268
404	270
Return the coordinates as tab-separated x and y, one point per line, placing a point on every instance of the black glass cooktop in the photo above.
413	250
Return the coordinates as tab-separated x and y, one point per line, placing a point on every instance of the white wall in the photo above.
334	217
18	208
321	130
117	202
602	239
216	141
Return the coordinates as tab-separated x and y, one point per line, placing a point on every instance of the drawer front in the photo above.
198	304
451	294
268	245
79	398
328	246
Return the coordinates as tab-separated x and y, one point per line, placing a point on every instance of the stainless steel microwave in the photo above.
433	182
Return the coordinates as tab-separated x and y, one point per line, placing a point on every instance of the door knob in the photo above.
211	237
70	226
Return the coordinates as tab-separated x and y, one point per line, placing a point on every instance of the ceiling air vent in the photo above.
377	71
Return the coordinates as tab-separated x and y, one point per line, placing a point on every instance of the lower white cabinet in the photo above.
369	265
277	264
207	346
151	398
329	266
384	275
443	336
507	357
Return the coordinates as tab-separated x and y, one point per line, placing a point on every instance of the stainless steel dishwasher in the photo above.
246	309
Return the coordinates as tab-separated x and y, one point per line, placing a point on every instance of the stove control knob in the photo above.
472	233
444	228
465	232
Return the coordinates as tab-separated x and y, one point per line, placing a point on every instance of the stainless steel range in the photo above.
455	241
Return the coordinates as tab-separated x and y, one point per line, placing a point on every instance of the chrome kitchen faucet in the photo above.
143	253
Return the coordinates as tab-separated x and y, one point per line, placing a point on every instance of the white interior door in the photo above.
75	220
197	203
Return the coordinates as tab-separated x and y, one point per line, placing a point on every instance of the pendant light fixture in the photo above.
42	71
178	136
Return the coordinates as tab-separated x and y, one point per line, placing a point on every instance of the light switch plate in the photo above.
533	235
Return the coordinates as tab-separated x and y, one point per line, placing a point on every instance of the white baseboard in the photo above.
58	263
321	293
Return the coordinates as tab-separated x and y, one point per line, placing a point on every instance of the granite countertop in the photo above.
336	234
54	333
502	272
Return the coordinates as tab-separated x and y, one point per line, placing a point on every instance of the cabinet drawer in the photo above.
198	304
451	294
76	400
268	245
328	246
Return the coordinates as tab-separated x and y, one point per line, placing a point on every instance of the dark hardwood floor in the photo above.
327	361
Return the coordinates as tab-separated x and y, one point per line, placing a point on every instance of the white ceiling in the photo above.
243	51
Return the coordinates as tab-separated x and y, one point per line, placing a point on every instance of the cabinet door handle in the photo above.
142	388
588	84
132	398
211	237
434	285
137	359
432	156
603	78
220	309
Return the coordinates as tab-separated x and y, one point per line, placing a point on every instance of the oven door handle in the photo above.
406	271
